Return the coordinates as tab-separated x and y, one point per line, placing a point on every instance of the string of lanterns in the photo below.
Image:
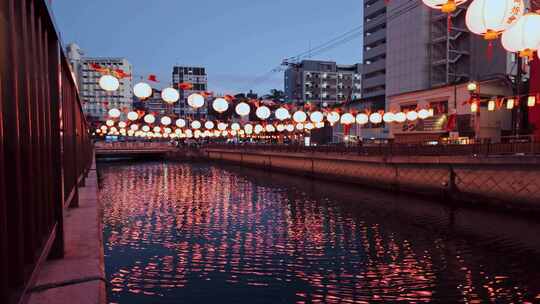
519	31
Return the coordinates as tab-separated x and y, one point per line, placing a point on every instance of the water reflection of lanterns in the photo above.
510	103
474	107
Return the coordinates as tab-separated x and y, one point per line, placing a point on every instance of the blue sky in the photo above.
236	40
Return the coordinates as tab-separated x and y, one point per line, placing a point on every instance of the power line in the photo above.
348	36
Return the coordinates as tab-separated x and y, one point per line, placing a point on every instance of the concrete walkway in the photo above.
79	276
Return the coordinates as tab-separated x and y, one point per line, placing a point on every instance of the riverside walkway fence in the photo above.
45	149
478	150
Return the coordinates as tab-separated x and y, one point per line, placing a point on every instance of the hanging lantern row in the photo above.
507	103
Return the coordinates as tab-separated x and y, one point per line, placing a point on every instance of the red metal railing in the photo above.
45	148
521	148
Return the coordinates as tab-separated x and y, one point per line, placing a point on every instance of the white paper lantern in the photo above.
263	112
109	83
109	123
375	118
347	119
209	125
146	128
300	126
282	114
134	127
400	117
258	129
412	115
180	123
114	113
195	100
235	126
299	116
362	118
316	117
157	129
222	126
122	124
270	128
220	105
490	18
132	116
195	124
310	126
445	6
242	109
280	127
142	90
524	36
166	120
388	117
423	114
333	117
170	95
149	118
248	127
290	127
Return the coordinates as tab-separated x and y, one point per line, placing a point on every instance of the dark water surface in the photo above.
198	233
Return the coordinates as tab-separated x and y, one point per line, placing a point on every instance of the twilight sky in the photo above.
236	40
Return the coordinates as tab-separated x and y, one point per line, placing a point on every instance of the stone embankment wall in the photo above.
511	181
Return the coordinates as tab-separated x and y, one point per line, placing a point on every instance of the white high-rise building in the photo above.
96	101
196	76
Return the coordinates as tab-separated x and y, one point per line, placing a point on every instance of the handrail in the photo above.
478	150
45	148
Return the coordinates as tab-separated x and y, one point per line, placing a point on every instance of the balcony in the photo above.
375	37
374	81
374	52
379	65
374	8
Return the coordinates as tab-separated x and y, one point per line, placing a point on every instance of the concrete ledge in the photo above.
79	276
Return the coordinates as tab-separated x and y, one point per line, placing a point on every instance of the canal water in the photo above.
200	233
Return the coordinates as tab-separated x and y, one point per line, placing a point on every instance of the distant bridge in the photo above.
133	149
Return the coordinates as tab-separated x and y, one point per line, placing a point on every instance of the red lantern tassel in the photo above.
489	51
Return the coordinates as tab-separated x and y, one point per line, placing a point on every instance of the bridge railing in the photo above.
45	148
520	148
135	145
